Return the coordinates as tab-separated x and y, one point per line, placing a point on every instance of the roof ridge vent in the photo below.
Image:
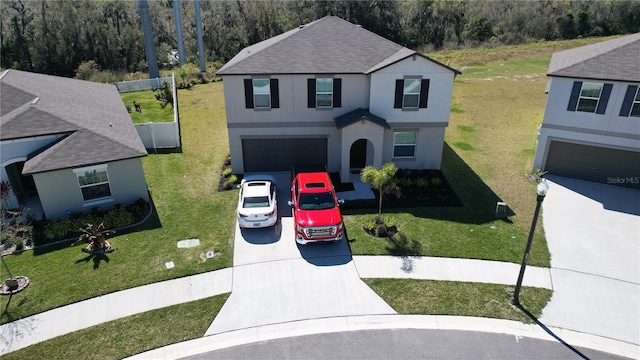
35	101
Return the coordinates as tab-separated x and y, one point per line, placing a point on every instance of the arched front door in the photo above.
358	155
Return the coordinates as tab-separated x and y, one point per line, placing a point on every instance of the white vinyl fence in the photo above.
144	84
156	135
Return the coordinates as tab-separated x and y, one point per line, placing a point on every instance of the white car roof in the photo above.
256	188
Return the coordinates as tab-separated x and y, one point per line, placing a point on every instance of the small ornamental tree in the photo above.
95	236
382	180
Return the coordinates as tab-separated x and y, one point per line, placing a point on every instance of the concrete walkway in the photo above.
280	289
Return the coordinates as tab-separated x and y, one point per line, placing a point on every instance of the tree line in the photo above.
56	37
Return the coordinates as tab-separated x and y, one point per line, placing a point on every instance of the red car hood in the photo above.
318	217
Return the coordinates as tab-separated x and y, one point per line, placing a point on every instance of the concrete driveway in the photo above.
593	235
276	281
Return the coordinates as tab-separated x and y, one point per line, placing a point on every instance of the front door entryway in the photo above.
358	155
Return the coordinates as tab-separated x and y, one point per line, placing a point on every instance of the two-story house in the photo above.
330	92
591	124
66	146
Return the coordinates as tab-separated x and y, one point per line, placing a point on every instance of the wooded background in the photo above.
56	37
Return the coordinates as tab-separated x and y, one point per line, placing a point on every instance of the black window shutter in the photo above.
311	93
424	93
337	93
575	94
275	94
604	99
625	110
397	101
248	93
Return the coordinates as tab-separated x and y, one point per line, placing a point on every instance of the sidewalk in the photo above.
40	327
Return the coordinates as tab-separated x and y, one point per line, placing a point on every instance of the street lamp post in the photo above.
542	190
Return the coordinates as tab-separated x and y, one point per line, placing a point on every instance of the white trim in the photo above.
415	144
90	168
597	99
92	202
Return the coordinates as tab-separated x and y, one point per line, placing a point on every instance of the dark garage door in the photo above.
281	154
593	163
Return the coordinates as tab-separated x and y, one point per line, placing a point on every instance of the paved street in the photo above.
404	344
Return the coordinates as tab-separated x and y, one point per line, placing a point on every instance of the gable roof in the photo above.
326	46
615	59
92	118
354	116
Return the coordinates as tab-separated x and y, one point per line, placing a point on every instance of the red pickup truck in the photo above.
316	211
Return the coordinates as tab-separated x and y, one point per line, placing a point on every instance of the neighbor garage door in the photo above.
281	154
593	163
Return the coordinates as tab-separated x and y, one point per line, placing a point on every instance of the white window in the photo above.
411	94
324	93
635	108
589	97
94	184
261	93
404	144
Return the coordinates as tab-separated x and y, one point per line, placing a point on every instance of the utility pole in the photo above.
149	47
176	14
203	65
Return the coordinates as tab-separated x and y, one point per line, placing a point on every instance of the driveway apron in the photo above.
275	280
593	235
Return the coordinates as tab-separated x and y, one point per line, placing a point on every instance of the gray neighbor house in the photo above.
331	92
67	145
591	124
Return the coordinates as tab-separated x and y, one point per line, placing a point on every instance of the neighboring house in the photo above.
67	145
591	125
333	93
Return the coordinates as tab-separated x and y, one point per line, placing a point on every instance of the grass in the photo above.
152	110
426	297
130	335
495	113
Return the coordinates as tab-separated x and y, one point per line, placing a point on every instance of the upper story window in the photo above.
261	93
324	93
404	144
631	102
94	183
589	97
411	93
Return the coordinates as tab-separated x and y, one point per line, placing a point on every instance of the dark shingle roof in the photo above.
357	115
329	45
92	116
617	59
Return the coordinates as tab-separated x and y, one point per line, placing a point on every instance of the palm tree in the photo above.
381	179
95	236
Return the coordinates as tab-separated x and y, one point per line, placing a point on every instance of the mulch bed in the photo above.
440	195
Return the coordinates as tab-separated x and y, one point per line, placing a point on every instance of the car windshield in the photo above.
316	201
256	202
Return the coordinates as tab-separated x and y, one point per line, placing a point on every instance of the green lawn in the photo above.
427	297
490	146
129	336
151	110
